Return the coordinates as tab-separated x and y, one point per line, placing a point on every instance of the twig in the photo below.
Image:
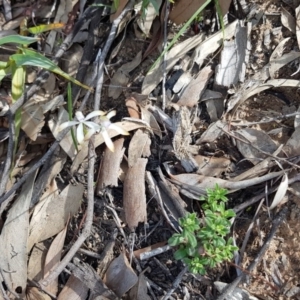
88	223
154	252
175	283
111	37
261	195
277	221
165	54
266	120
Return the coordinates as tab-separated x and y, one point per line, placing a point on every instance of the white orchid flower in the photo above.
85	129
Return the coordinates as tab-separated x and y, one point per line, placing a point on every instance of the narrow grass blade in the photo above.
35	59
18	39
70	111
45	27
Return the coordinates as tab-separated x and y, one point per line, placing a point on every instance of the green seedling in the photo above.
203	244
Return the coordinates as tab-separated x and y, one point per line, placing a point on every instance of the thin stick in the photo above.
229	290
111	37
175	283
165	54
88	223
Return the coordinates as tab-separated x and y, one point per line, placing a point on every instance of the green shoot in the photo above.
203	245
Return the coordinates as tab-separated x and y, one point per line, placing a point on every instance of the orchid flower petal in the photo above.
89	134
64	125
118	129
108	140
111	114
80	134
95	113
79	116
92	125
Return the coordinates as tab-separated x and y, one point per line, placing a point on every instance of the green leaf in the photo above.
174	240
4	72
18	39
180	254
35	59
191	239
45	27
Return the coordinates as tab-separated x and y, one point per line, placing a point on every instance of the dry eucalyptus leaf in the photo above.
292	146
52	212
53	258
139	291
70	61
33	293
133	108
279	196
297	11
37	261
234	58
192	93
213	132
254	138
74	289
13	240
150	119
119	276
288	20
145	23
110	166
212	166
139	147
134	197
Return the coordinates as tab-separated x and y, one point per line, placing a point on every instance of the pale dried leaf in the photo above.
67	143
254	138
297	11
70	61
33	293
134	197
279	196
192	93
133	108
110	166
126	125
37	261
53	258
119	276
280	62
139	147
150	119
288	20
145	23
234	58
139	291
13	240
155	75
74	289
211	44
213	132
212	166
52	212
292	146
184	9
32	119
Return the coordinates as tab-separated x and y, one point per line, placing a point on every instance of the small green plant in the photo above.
203	245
